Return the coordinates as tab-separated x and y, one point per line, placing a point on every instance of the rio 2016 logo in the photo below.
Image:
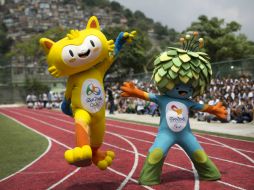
92	95
176	116
92	89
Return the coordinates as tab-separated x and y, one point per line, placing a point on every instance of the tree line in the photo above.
222	40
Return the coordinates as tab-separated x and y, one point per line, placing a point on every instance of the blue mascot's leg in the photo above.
151	171
205	167
66	107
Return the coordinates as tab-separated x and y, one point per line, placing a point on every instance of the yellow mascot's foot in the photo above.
103	159
79	156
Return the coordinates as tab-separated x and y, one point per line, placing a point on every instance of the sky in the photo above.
179	14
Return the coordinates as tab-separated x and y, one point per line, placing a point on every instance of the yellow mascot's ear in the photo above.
46	44
93	23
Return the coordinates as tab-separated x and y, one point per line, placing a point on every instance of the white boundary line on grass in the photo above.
38	158
150	133
127	177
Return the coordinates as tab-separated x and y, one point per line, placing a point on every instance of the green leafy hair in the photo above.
183	65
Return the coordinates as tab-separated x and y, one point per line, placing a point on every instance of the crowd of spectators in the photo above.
237	96
130	105
45	100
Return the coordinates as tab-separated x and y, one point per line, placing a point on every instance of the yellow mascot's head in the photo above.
78	51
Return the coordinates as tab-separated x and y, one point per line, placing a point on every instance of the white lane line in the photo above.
229	147
144	156
237	163
218	145
231	138
133	180
50	139
223	145
30	164
151	133
196	177
135	165
62	115
140	124
127	177
63	179
38	172
174	147
230	185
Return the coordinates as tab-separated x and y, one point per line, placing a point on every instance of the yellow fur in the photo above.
85	65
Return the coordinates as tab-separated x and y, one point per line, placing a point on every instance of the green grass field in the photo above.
19	146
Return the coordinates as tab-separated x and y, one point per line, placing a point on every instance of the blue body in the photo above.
175	127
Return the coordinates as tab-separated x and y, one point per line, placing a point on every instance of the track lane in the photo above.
96	171
139	145
30	177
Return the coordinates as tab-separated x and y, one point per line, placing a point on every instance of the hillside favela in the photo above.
23	23
23	68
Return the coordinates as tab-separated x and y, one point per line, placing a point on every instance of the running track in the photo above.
130	142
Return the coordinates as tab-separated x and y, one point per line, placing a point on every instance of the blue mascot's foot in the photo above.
205	167
151	171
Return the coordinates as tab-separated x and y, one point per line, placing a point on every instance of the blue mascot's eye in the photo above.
91	41
71	53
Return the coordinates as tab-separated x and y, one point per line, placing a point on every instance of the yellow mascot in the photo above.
85	56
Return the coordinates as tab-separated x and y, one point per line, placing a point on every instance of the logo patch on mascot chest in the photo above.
92	95
177	116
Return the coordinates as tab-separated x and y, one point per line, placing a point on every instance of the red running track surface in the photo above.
130	142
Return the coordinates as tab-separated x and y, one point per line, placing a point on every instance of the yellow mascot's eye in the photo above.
92	43
71	53
84	53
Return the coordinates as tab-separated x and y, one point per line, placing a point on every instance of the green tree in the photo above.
222	40
35	86
115	6
31	49
160	30
95	3
133	56
5	44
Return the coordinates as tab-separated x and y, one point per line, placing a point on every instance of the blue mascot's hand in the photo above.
66	107
122	38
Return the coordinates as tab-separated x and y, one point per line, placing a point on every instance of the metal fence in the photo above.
234	68
223	69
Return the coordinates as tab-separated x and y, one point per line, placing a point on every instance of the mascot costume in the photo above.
84	57
178	75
